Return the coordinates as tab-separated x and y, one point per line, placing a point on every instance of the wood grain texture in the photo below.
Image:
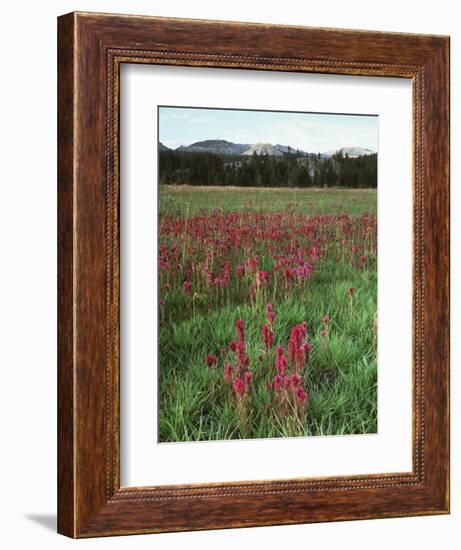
91	49
66	471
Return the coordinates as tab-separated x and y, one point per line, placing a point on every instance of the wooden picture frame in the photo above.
92	48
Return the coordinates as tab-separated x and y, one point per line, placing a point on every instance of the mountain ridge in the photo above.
263	149
224	147
217	146
352	152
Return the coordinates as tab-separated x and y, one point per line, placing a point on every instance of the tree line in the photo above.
291	170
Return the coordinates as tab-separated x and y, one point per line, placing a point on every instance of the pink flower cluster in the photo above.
286	391
267	332
298	347
240	369
250	256
290	393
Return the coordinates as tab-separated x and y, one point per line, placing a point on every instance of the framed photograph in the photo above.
253	275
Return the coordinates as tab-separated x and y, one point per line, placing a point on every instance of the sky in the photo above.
311	132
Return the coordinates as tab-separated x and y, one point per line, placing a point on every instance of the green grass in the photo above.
190	199
196	404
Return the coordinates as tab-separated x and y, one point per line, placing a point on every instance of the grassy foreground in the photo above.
237	235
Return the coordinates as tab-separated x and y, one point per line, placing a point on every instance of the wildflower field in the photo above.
267	312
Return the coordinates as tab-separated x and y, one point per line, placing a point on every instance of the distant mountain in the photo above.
287	149
263	149
284	148
224	147
352	152
216	146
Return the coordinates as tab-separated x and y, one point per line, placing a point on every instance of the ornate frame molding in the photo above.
91	49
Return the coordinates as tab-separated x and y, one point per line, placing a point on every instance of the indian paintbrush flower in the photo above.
239	387
240	326
211	360
268	337
227	372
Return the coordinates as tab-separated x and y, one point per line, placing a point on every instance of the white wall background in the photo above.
28	271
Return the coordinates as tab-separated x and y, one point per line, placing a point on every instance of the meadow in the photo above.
267	312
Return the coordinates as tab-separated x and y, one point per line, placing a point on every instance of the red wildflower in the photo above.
281	362
289	275
211	360
227	372
240	326
239	387
262	278
268	337
270	314
296	380
242	358
296	346
301	394
278	381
